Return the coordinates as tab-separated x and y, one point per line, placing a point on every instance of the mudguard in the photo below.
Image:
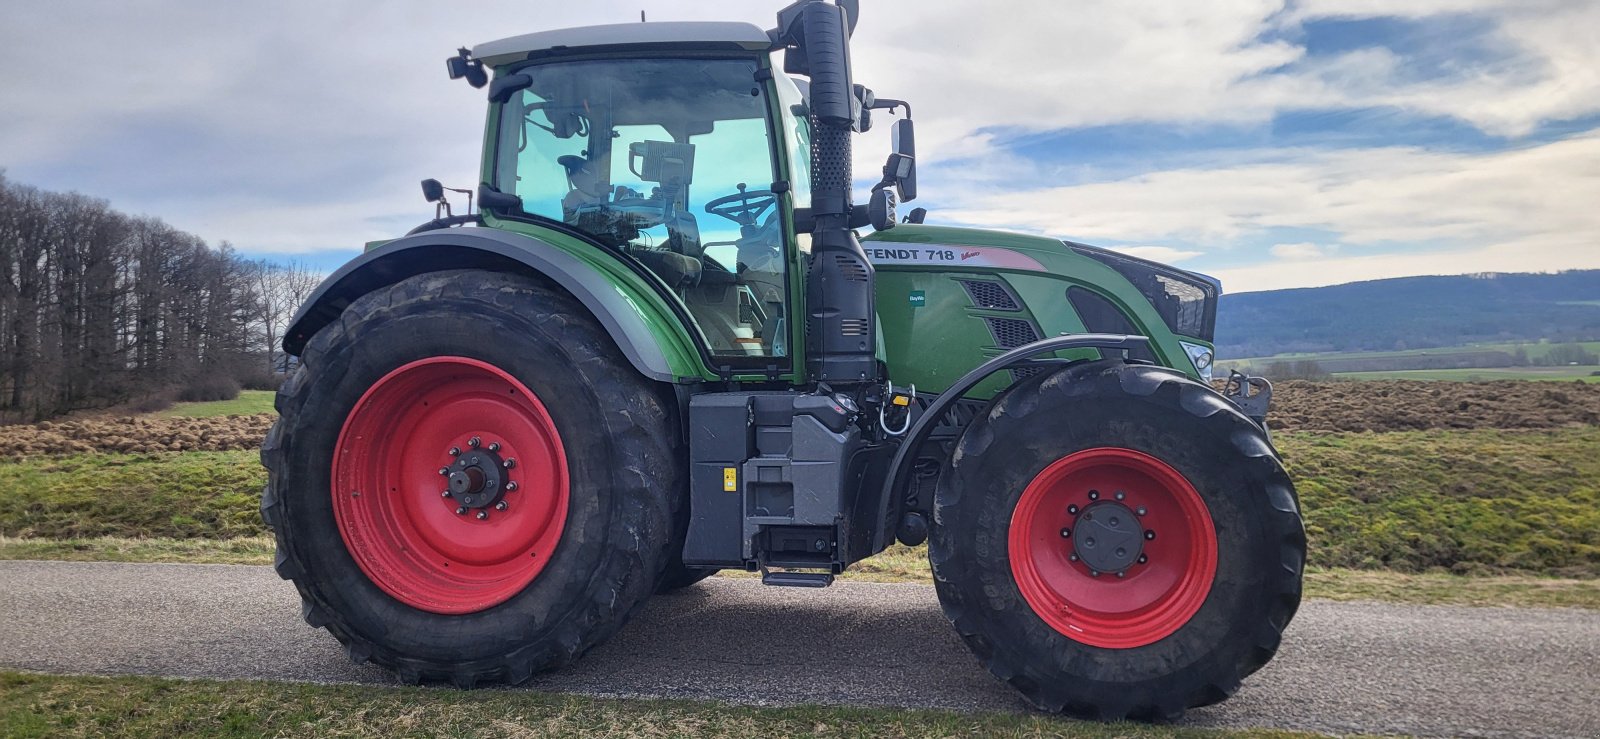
487	248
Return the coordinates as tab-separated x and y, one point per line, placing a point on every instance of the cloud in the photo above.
1482	209
301	127
1302	250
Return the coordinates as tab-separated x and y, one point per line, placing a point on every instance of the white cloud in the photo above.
304	126
1476	212
1302	250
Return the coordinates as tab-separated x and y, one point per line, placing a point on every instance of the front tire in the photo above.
561	464
1116	541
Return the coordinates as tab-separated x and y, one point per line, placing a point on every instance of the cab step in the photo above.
797	579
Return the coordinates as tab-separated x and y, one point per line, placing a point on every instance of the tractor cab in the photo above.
683	163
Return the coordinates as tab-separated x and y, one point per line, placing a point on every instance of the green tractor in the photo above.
659	348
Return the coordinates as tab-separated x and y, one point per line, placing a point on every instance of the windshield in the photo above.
669	161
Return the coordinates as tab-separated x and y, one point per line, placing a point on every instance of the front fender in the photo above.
663	353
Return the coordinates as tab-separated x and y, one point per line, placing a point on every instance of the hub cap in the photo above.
450	485
1112	548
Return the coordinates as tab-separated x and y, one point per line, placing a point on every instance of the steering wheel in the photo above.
744	207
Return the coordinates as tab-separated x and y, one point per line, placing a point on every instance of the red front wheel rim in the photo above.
1112	548
450	485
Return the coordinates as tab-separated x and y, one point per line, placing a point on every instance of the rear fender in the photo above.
667	353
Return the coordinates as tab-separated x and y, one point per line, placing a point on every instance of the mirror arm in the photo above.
891	105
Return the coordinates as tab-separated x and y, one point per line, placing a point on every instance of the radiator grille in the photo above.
990	295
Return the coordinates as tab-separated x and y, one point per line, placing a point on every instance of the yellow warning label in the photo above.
902	400
730	479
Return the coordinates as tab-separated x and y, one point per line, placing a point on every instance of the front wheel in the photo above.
1117	541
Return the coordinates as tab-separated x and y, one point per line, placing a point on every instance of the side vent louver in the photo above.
990	295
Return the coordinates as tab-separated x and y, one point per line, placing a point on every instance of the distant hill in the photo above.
1411	313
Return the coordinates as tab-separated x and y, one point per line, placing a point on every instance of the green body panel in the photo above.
933	333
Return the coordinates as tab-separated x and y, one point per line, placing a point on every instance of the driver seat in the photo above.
585	184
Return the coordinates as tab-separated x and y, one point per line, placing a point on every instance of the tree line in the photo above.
99	308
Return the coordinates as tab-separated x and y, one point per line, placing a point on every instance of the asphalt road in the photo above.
1345	667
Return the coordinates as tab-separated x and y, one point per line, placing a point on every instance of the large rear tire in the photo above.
1117	540
561	464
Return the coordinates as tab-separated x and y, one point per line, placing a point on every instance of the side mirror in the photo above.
432	190
904	160
881	210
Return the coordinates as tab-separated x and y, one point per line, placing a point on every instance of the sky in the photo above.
1270	143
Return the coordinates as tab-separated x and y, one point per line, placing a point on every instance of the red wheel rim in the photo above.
388	490
1157	574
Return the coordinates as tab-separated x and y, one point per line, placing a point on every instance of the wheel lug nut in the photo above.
494	446
1122	574
1066	533
1072	557
1073	509
455	451
461	511
509	463
446	494
511	487
444	471
1094	573
483	515
1094	495
1141	510
500	506
474	442
1121	495
1149	535
1143	559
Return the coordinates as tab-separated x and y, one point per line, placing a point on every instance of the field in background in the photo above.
1474	493
1588	373
1482	501
249	403
1570	361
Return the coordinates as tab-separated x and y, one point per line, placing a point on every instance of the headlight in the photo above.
1201	357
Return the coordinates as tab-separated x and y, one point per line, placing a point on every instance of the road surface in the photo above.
1345	667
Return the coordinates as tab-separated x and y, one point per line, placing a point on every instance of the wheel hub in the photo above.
477	479
1108	537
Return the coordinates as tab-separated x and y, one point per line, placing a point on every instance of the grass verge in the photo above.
33	705
249	403
248	550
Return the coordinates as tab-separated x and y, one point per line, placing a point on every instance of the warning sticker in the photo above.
950	255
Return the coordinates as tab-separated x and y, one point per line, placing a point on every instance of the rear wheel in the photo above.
1116	540
468	481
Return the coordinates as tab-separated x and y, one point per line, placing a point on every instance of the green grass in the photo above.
244	550
1557	374
185	495
1468	502
33	705
249	403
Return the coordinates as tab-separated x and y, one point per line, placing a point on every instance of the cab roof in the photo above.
701	33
